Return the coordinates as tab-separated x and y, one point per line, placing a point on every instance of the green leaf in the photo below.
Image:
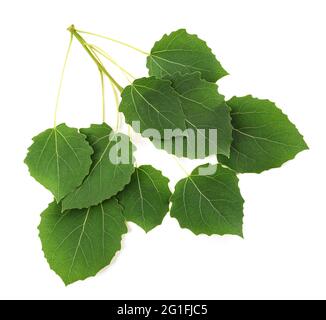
153	103
185	53
209	204
106	177
205	109
59	159
145	200
79	243
263	137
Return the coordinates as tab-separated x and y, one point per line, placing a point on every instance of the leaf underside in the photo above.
79	243
184	53
59	159
145	200
106	177
263	137
209	204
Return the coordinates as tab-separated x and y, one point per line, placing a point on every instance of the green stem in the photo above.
181	166
94	58
116	41
61	81
103	96
108	57
116	99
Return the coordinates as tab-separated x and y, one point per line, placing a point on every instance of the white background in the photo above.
272	49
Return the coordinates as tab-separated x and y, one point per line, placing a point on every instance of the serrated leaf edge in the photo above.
121	189
211	234
216	88
68	283
184	30
306	147
90	162
168	211
168	84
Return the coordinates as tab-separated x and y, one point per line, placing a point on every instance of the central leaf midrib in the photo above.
209	201
57	161
141	198
180	64
79	242
93	169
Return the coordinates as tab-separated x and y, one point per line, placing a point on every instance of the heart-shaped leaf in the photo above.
145	200
109	173
185	53
153	103
79	243
263	137
207	116
59	159
209	204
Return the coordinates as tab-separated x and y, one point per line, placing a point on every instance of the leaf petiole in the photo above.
108	57
177	161
93	56
103	95
61	81
116	99
114	40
